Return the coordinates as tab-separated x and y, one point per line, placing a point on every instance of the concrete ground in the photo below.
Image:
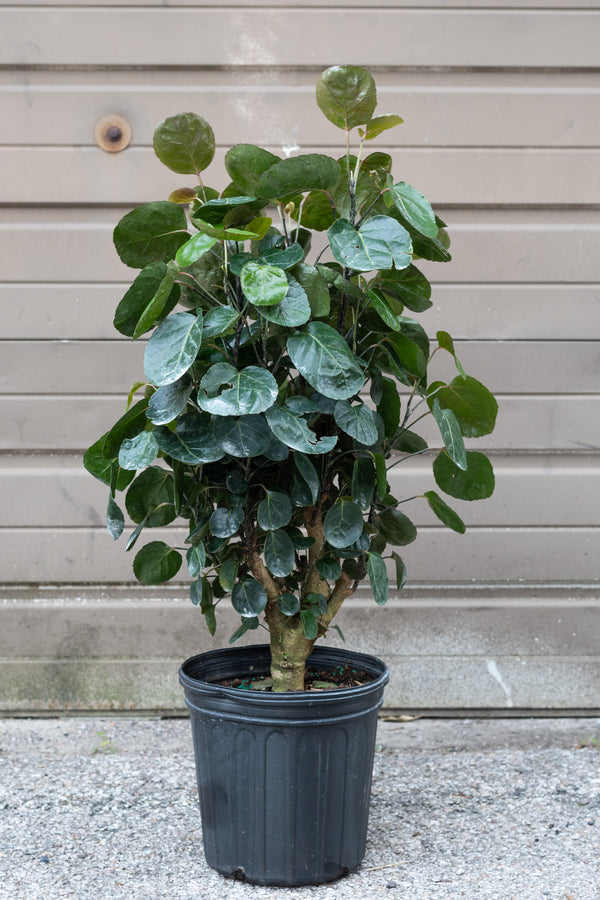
106	808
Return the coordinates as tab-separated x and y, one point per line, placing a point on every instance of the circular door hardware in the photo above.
112	133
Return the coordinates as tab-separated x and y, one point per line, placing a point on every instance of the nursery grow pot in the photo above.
284	779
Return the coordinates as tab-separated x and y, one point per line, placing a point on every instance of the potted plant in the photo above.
282	381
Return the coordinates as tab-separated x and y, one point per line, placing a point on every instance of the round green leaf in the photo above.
444	513
169	401
294	431
413	207
225	522
149	233
245	164
149	498
293	311
193	249
263	285
137	452
347	96
472	404
248	597
323	357
172	348
218	321
316	289
185	143
298	174
251	390
242	437
156	563
329	568
378	577
409	286
274	511
279	553
395	527
378	244
358	421
288	604
476	482
317	214
97	464
343	524
193	441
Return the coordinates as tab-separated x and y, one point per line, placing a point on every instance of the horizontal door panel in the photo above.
484	311
445	176
530	491
459	109
524	423
499	555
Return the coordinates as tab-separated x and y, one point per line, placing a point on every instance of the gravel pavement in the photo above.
105	808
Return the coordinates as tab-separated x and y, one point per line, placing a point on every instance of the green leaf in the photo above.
324	359
225	522
139	451
100	466
294	431
378	244
389	407
228	573
156	563
293	311
218	321
381	475
329	568
248	597
274	511
409	286
400	571
409	358
279	553
196	559
150	233
310	624
263	285
196	247
139	296
249	391
395	527
298	174
245	164
288	604
444	513
309	475
115	520
446	342
316	289
172	348
358	421
451	434
315	212
169	401
150	497
378	125
347	96
193	441
380	305
413	207
248	624
163	301
363	481
343	524
185	143
476	482
377	573
409	442
284	257
242	437
472	404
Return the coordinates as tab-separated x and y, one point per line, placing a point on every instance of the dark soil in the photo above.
315	679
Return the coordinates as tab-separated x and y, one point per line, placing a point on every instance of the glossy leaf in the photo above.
241	437
169	401
378	244
381	307
263	285
150	233
401	573
378	125
115	520
156	563
274	511
323	357
137	452
196	559
248	597
172	348
218	321
101	467
451	434
389	407
343	524
395	527
193	441
363	481
347	96
294	431
288	604
476	482
245	164
248	391
193	249
316	212
279	553
357	420
310	624
409	286
137	298
298	174
162	303
316	289
444	513
225	522
413	207
329	568
150	497
309	475
378	577
294	309
473	405
228	573
185	143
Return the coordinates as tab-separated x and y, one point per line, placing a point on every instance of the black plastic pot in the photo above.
284	780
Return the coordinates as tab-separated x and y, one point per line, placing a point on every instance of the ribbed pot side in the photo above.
284	780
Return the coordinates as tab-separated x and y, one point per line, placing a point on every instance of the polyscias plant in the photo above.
280	386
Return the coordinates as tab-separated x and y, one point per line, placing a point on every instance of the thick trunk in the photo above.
289	650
